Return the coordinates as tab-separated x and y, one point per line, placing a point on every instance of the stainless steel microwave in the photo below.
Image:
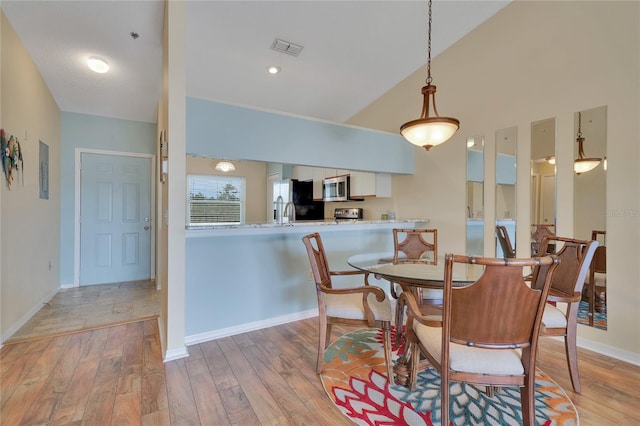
336	188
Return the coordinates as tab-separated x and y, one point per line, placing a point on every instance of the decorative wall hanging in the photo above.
44	171
11	157
164	156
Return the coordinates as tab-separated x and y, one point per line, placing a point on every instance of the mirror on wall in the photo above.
543	180
475	195
506	141
589	207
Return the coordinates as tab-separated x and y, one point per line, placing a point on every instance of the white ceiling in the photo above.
354	51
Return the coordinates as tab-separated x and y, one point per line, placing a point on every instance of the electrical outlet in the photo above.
310	275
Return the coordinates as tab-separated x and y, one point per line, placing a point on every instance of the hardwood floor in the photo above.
115	375
90	307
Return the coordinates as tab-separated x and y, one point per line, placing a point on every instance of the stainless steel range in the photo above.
347	214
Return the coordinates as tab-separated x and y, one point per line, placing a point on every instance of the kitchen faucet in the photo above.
279	203
291	215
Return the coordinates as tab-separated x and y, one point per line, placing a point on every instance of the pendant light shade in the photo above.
582	163
225	166
429	131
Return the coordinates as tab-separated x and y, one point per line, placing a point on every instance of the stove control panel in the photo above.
348	213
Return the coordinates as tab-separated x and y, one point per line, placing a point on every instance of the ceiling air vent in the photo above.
286	47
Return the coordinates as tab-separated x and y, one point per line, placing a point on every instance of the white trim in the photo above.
610	351
177	353
152	213
27	316
65	286
250	326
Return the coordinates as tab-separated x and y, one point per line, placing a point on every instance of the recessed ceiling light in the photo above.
273	69
98	65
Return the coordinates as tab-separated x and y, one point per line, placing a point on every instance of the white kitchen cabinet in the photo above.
363	184
367	184
318	176
303	172
329	173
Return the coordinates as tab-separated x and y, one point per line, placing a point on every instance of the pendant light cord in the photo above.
429	79
579	124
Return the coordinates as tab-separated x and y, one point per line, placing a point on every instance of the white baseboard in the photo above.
71	285
251	326
613	352
27	316
175	353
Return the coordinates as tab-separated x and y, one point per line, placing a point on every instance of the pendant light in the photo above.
429	131
582	163
225	166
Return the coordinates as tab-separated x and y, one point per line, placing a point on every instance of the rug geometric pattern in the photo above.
599	318
354	377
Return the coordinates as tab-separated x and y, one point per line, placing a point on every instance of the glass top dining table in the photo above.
423	275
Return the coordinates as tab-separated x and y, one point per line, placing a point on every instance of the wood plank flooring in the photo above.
115	376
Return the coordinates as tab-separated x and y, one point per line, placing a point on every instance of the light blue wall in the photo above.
223	131
91	132
235	280
506	169
475	166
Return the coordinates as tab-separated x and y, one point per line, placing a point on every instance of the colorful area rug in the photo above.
599	318
354	378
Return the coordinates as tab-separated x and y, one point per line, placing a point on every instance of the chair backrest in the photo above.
499	310
597	235
412	244
539	231
599	262
575	261
505	242
318	260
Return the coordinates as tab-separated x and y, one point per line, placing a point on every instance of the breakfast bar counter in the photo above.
245	277
300	227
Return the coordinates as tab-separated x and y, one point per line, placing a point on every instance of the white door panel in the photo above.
115	211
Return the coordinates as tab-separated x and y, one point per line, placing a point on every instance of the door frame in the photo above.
77	201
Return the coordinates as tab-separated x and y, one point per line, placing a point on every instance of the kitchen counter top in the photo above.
298	227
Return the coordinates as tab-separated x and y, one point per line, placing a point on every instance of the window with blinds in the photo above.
215	200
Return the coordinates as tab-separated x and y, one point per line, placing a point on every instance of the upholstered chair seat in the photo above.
350	306
469	359
553	317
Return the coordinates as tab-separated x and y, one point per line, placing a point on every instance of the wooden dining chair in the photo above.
414	245
505	242
488	332
597	283
539	230
365	305
566	287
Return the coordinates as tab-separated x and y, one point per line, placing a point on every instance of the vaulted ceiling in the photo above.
352	51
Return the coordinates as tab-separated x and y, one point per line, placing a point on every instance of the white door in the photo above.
548	204
115	218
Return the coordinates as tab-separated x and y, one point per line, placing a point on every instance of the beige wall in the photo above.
30	229
535	60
